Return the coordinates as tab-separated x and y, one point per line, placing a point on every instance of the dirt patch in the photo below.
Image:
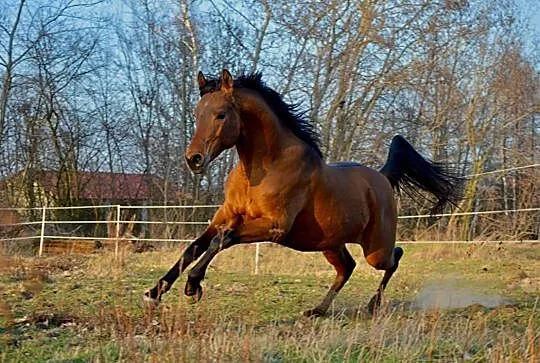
21	268
52	320
454	294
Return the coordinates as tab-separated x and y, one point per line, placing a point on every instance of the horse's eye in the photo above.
221	116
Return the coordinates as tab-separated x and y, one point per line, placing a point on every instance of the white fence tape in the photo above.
502	170
42	236
118	221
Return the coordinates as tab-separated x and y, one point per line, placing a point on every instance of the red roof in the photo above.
108	186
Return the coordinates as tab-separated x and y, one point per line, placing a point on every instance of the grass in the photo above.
445	303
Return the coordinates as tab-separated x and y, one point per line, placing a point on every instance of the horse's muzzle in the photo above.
196	162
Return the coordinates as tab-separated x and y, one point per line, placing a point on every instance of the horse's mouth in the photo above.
198	170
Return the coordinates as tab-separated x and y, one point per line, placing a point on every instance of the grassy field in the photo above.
445	303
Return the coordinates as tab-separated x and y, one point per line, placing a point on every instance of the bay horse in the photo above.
282	191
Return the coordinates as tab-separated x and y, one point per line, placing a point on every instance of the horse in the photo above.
282	191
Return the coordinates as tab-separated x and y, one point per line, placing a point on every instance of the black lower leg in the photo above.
164	284
398	253
375	301
194	251
197	273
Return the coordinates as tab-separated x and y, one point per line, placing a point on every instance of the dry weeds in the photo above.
446	303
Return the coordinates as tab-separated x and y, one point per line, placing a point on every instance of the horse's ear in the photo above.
201	80
226	81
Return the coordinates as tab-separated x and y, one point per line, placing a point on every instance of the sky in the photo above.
531	10
531	13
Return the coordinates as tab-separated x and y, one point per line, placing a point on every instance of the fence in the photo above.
41	231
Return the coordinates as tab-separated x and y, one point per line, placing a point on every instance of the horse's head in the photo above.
217	122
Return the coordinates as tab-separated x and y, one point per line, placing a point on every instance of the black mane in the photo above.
289	114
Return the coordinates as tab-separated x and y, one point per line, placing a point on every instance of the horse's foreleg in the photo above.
194	251
197	273
256	230
344	264
375	301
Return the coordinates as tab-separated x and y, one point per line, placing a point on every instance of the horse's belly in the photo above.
319	233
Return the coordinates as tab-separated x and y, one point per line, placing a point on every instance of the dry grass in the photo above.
446	303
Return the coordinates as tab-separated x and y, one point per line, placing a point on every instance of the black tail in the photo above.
407	170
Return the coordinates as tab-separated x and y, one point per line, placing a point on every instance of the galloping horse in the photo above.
282	190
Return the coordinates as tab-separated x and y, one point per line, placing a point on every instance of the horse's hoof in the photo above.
374	304
194	293
149	302
314	313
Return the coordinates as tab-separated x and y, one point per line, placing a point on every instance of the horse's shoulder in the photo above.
236	186
235	178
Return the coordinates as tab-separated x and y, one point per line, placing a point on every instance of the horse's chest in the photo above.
256	202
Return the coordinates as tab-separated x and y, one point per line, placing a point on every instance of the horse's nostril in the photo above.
197	160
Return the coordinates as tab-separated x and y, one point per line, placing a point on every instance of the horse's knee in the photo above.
195	250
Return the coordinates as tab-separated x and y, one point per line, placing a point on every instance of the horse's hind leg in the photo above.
375	301
344	264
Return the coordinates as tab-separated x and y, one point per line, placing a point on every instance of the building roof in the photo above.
85	185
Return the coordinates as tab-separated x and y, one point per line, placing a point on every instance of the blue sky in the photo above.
530	10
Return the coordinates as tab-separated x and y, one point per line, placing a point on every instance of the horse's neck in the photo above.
263	139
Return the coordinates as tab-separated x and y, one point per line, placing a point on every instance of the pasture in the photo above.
447	303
